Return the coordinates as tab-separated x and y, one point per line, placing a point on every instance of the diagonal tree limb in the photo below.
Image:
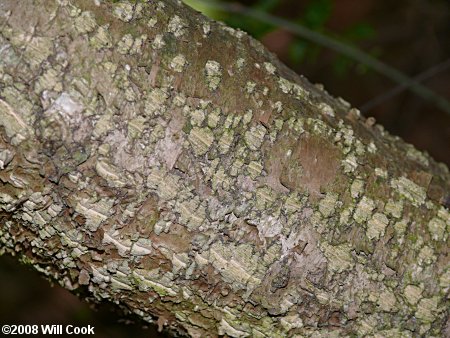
171	165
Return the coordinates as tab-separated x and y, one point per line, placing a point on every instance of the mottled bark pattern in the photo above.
171	165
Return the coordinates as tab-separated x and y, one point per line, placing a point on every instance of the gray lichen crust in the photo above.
204	183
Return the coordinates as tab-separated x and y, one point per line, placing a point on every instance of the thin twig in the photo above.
436	69
325	41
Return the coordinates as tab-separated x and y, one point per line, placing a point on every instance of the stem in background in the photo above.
403	80
436	69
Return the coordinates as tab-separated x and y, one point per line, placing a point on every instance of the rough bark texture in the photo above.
171	165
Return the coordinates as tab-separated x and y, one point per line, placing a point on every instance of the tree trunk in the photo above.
171	165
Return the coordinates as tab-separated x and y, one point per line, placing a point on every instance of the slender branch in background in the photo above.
436	69
325	41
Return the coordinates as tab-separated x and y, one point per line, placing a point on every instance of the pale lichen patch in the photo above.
158	41
136	127
226	329
85	23
220	180
95	212
123	11
235	167
141	247
14	126
225	141
180	262
394	208
270	68
197	117
122	246
167	185
417	155
426	256
326	109
437	229
152	279
254	169
268	226
339	256
201	140
291	322
110	173
247	117
265	197
400	227
387	301
372	148
285	85
206	27
444	214
250	87
289	87
138	44
38	50
214	118
152	22
6	156
154	103
102	38
255	136
376	226
350	163
328	204
427	309
407	188
103	125
192	214
213	72
380	172
444	281
412	294
344	219
240	63
236	264
178	63
237	33
357	188
125	44
177	26
364	210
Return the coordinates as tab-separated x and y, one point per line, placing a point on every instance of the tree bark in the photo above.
173	166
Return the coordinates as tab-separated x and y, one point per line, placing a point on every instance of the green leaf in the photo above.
317	13
341	65
360	31
298	50
205	10
266	5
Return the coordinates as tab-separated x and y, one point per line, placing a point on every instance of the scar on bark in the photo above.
305	164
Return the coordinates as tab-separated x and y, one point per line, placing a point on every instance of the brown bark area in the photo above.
173	166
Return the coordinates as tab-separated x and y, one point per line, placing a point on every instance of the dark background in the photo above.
410	35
